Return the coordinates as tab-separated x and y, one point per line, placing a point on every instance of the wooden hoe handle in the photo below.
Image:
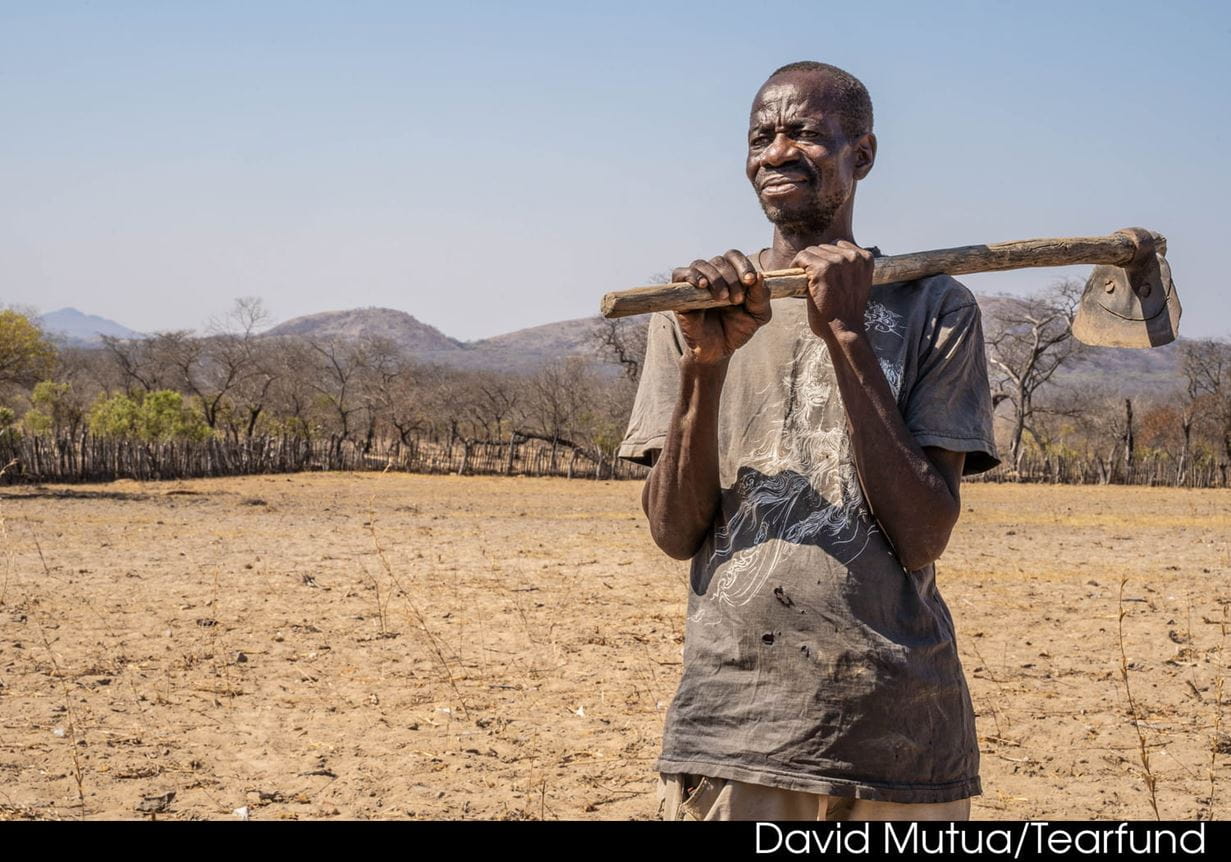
1117	249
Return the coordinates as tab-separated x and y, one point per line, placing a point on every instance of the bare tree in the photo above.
1029	339
143	363
225	362
559	394
1207	372
415	399
486	406
1063	418
622	340
246	317
496	403
291	397
381	363
1109	435
255	371
334	379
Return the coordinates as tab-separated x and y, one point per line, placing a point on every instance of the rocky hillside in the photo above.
397	326
1136	372
523	350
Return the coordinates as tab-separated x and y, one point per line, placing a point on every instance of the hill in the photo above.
1134	373
527	349
397	326
521	351
80	329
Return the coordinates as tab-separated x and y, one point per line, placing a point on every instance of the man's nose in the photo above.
780	151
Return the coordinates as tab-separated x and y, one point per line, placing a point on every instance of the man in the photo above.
806	457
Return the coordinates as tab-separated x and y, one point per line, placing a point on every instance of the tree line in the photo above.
344	404
231	400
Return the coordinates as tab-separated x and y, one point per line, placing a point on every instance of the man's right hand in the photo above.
713	334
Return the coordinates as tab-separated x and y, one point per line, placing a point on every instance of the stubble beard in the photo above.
809	219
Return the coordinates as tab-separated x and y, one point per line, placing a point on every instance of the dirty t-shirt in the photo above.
812	660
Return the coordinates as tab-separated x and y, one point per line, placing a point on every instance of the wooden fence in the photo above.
1153	468
94	459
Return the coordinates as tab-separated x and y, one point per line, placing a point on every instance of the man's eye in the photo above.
806	135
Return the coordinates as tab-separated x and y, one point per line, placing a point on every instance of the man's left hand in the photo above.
839	281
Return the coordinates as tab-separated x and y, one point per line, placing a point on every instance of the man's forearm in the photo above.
911	499
682	492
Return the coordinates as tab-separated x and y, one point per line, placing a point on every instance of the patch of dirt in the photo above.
367	645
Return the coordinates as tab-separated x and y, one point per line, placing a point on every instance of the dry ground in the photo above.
318	646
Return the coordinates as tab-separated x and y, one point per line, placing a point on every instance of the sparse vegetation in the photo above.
335	394
231	654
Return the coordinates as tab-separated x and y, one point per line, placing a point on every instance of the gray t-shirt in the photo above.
813	660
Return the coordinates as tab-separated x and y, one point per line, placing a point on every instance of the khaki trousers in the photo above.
696	797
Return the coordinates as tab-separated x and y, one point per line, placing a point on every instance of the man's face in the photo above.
800	162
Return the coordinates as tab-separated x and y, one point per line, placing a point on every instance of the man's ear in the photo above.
865	155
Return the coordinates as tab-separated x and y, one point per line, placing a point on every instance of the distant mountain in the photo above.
564	337
397	326
528	349
79	328
521	351
1132	372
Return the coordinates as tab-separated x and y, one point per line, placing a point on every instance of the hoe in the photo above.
1129	299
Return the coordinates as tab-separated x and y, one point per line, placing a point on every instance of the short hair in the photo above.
853	102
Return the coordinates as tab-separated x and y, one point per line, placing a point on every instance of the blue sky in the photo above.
489	166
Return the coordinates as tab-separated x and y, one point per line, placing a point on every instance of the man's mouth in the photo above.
783	183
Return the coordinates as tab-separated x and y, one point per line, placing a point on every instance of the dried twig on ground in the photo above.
1134	712
432	640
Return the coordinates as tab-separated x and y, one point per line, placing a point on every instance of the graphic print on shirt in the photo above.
798	485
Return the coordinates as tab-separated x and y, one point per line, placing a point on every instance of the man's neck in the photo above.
787	244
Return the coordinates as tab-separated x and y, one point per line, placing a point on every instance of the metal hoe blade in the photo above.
1131	306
